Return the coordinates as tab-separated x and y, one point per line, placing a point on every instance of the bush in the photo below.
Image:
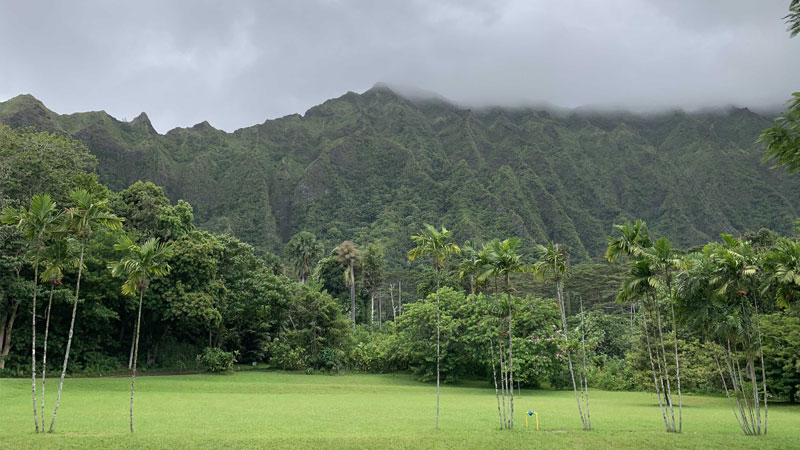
285	356
216	360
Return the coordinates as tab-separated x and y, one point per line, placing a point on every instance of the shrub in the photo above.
217	360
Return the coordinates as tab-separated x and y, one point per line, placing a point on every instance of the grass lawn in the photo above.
255	409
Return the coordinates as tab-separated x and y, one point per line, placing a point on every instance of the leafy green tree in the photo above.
782	354
139	264
304	251
433	243
148	211
35	162
349	255
84	217
36	223
553	264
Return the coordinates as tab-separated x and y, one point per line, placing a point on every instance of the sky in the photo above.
239	63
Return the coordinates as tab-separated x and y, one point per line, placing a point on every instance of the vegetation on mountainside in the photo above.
372	167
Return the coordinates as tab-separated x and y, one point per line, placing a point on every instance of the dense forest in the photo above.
371	167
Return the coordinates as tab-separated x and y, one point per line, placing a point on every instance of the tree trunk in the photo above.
69	338
664	358
400	296
136	354
380	310
352	296
510	347
652	365
44	349
677	368
33	344
372	309
438	357
6	333
503	383
496	392
438	346
391	296
560	298
763	369
585	386
130	356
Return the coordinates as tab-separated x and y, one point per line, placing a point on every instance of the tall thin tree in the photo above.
553	264
501	260
349	255
139	264
61	252
84	217
36	224
433	243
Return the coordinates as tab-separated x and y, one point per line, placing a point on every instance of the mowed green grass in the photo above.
256	409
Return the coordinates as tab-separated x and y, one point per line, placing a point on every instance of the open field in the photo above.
267	409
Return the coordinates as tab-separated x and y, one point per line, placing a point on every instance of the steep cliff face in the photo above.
374	166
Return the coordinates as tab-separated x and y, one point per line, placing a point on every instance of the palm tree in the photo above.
86	215
554	265
718	298
783	263
632	239
349	255
36	224
59	254
665	261
651	266
431	242
304	251
470	265
502	260
139	264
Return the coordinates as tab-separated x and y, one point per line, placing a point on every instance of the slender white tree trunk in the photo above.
69	338
391	296
33	344
511	352
560	295
44	349
136	354
652	365
496	392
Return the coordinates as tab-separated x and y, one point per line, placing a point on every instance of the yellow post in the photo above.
526	421
537	421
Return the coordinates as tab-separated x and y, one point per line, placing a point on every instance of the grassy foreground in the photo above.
265	409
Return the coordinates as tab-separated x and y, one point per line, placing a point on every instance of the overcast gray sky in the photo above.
238	63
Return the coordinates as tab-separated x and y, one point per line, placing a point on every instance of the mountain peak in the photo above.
143	121
203	126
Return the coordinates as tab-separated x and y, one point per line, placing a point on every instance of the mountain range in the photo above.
373	167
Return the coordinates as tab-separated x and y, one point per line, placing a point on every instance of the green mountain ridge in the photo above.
372	167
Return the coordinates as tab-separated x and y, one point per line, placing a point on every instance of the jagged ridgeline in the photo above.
372	167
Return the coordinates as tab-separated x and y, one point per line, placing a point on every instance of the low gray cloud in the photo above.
238	63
